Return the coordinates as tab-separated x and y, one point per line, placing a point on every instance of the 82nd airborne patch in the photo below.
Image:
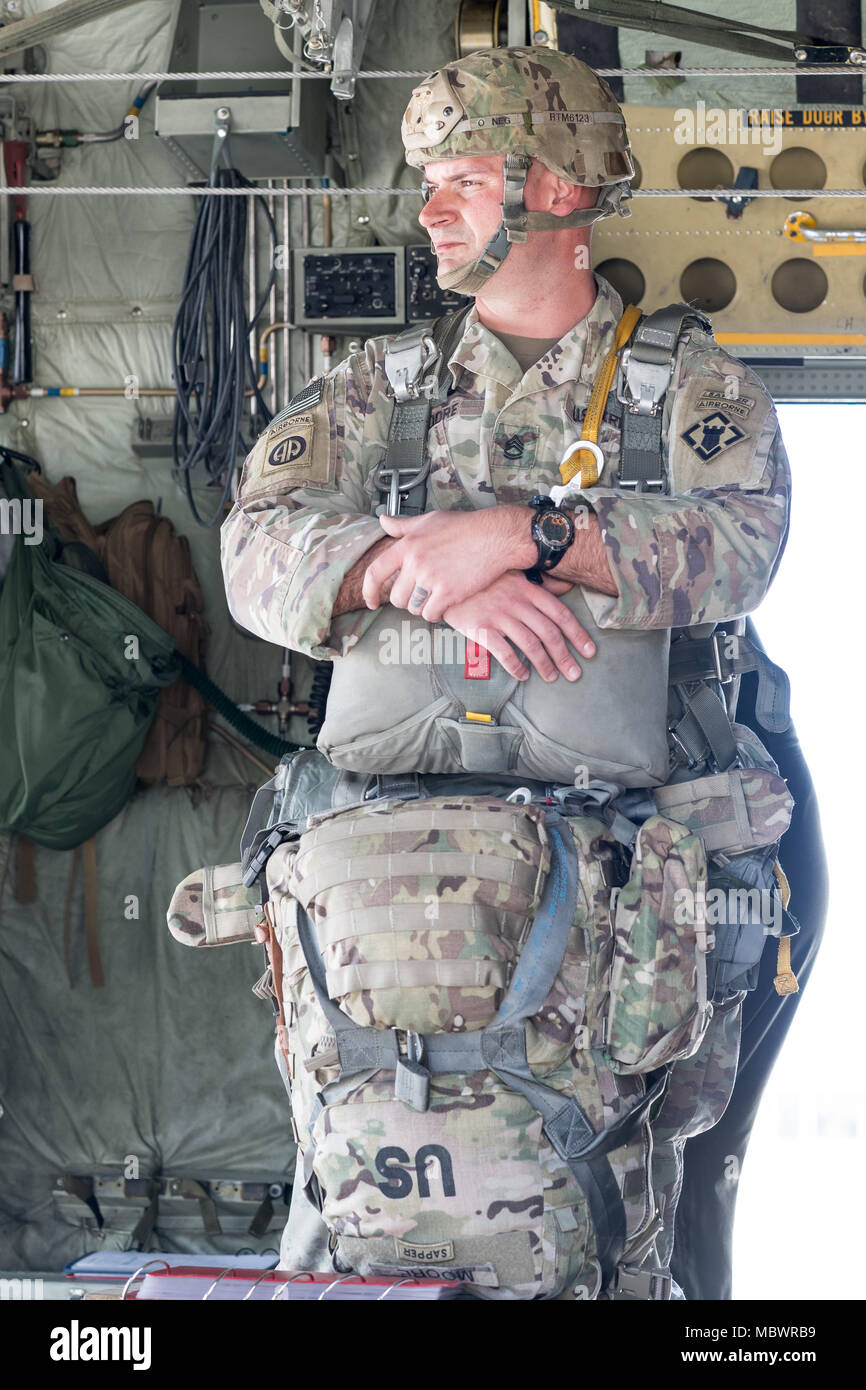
289	443
293	453
711	435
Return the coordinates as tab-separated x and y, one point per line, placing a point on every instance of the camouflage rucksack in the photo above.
479	1003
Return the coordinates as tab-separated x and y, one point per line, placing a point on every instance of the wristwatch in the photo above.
553	533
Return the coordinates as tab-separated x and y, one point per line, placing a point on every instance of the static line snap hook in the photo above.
591	447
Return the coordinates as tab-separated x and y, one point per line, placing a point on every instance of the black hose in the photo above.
210	342
228	709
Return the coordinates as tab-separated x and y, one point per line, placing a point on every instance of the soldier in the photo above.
521	151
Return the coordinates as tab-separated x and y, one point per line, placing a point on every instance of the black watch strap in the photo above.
549	554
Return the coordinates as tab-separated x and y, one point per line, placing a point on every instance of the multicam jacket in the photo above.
704	553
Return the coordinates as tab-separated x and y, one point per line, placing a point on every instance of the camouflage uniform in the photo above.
705	552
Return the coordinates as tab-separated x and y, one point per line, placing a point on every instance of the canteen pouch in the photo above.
399	702
212	907
658	1009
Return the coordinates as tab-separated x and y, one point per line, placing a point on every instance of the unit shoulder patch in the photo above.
294	451
718	431
710	435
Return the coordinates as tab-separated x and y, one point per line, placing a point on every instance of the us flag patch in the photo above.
711	435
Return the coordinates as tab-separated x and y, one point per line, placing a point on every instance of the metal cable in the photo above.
780	70
41	190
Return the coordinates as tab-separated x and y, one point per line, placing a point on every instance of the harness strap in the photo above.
402	473
715	659
704	724
647	367
584	461
405	786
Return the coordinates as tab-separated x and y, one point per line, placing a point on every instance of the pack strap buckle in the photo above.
721	677
644	382
646	1284
407	364
641	485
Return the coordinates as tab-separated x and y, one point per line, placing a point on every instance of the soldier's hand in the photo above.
442	558
514	610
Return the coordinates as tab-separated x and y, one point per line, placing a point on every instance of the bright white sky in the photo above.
800	1223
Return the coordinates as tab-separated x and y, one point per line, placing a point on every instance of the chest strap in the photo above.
416	365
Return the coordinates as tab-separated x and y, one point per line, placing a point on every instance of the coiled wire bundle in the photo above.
211	359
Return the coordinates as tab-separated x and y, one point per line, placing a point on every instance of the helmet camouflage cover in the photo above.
528	101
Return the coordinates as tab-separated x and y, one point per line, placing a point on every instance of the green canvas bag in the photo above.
81	668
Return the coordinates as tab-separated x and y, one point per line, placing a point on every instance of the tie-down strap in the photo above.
725	655
501	1049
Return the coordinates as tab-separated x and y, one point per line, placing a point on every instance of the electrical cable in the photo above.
211	360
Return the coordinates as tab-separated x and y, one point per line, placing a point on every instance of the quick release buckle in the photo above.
717	658
400	482
643	383
674	736
645	1284
407	368
275	837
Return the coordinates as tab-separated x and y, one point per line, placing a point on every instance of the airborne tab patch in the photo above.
289	455
289	444
711	435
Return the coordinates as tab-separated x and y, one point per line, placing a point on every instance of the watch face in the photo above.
554	528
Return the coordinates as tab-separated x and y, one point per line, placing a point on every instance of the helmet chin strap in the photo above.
517	222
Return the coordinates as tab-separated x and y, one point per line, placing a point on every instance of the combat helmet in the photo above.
525	103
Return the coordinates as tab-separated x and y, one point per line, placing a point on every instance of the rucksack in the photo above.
81	668
480	998
140	556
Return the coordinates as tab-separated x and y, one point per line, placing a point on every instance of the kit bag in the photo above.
478	1002
445	973
81	670
139	554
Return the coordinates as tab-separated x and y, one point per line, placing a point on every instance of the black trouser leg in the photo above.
703	1242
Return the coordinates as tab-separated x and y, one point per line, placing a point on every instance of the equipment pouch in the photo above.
658	984
744	908
420	907
212	907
